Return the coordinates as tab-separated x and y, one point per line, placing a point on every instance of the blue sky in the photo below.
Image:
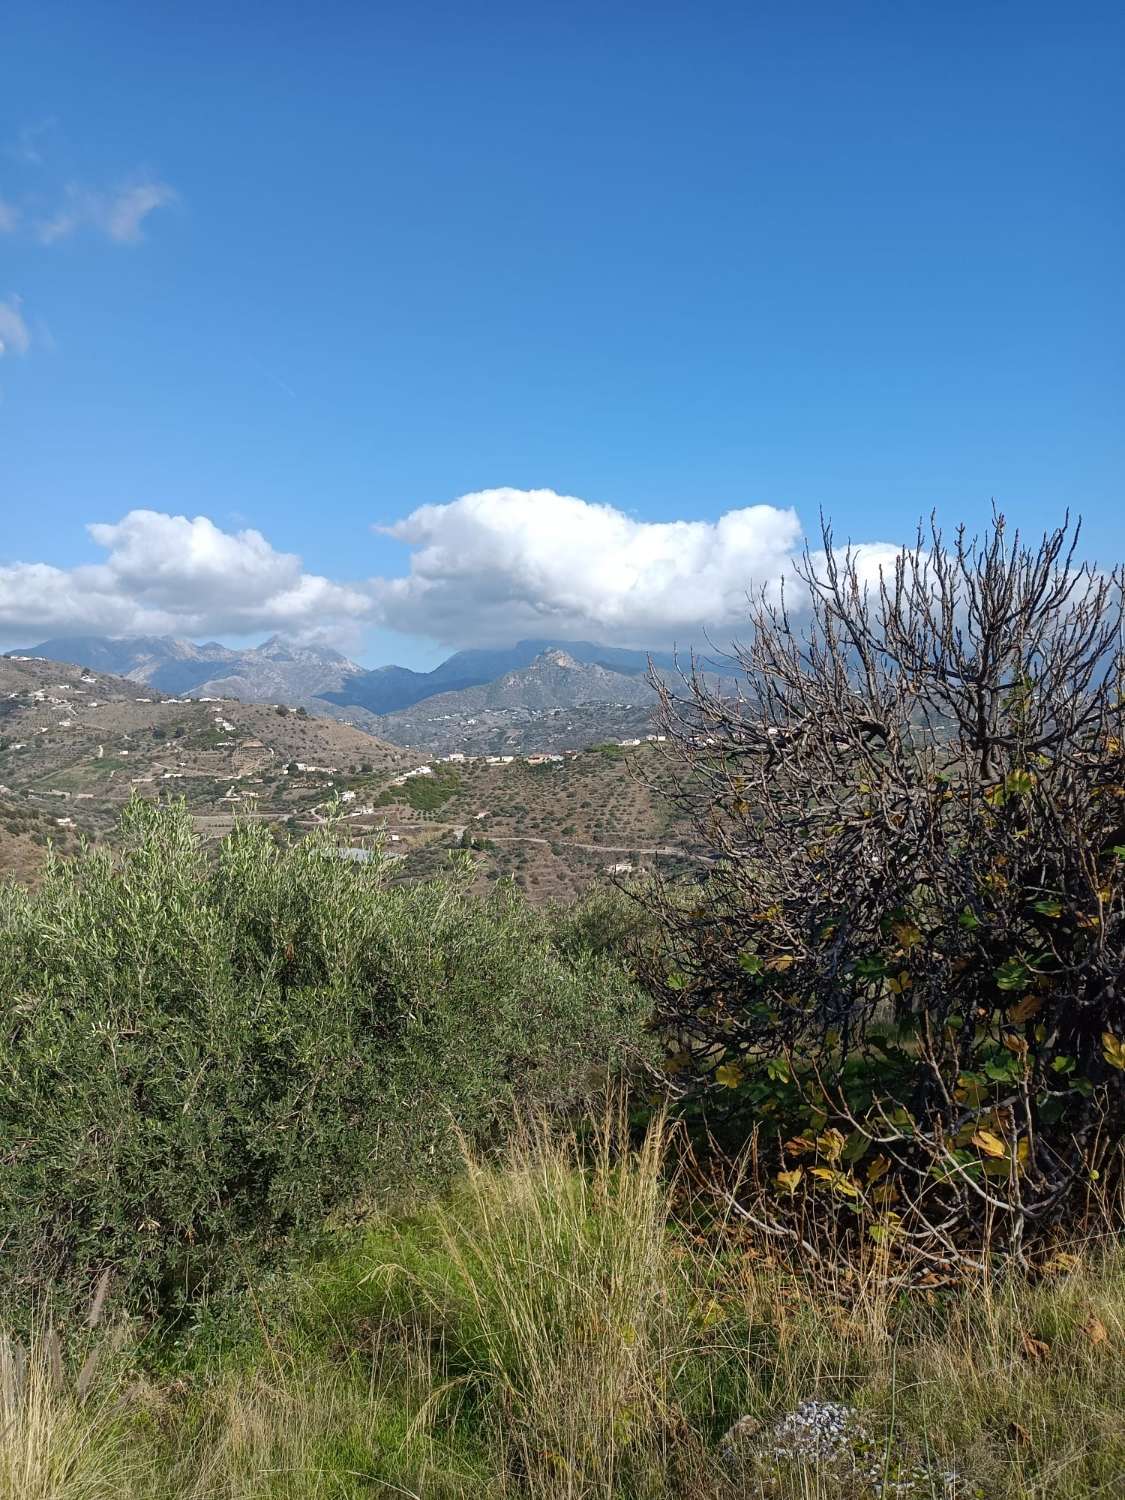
304	269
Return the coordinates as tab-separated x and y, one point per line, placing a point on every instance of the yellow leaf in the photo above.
1014	1043
1113	1050
729	1075
878	1168
990	1144
790	1181
830	1144
900	982
1062	1260
1029	1006
1095	1330
782	962
839	1182
712	1314
906	934
886	1229
798	1145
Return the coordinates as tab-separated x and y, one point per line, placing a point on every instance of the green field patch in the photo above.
422	793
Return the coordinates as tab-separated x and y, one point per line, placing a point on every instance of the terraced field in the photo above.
75	745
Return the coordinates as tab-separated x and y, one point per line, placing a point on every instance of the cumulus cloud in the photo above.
503	562
15	336
483	569
173	575
119	213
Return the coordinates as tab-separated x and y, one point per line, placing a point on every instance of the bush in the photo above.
202	1058
908	957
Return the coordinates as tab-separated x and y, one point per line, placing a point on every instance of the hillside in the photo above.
553	680
514	731
553	826
75	744
386	690
554	703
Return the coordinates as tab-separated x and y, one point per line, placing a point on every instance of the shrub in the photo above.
202	1058
909	952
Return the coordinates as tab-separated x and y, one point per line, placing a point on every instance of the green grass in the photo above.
552	1327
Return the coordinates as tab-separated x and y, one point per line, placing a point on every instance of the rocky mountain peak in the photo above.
555	657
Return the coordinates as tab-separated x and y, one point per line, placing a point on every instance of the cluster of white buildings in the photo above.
406	776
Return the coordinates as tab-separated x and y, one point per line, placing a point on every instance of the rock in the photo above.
833	1439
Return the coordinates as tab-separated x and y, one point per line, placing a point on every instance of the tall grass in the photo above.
559	1325
549	1294
60	1426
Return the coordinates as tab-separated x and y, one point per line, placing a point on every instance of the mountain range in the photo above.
552	679
275	671
565	673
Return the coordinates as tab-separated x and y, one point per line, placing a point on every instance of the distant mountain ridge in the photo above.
275	671
387	689
322	679
553	679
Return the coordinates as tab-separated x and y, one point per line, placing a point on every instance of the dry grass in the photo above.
61	1422
549	1329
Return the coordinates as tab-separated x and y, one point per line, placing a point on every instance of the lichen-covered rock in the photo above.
833	1440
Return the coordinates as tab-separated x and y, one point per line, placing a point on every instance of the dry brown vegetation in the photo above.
556	1326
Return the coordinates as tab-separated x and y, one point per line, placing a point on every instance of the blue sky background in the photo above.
677	259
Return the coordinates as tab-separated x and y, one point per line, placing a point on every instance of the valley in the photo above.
525	789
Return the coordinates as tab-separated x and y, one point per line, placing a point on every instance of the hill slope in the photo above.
74	745
554	703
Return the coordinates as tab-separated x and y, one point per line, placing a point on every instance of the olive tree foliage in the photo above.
205	1052
910	951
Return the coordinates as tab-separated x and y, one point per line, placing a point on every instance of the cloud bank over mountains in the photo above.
483	569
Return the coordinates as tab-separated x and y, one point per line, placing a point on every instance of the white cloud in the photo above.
119	214
484	569
9	217
15	336
125	212
174	575
506	562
